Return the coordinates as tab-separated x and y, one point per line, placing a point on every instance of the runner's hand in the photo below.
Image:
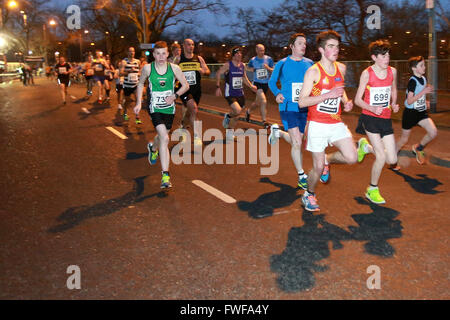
218	92
428	89
335	92
348	106
137	109
395	107
279	98
376	109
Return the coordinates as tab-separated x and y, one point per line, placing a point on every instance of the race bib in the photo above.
296	88
237	83
159	99
380	96
133	77
98	67
61	70
261	74
89	72
190	77
421	105
330	106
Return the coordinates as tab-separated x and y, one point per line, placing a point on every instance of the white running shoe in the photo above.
274	133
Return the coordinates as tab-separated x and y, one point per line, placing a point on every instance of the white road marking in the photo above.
217	193
117	133
85	110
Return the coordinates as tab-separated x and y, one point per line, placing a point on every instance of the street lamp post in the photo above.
432	63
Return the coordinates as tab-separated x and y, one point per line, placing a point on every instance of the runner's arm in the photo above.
224	68
363	81
144	75
204	70
394	103
274	79
249	84
180	77
305	100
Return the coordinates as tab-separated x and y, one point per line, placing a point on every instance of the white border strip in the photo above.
217	193
117	133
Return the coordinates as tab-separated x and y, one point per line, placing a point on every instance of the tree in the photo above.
160	14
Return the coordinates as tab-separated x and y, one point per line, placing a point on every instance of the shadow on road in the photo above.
309	244
424	185
45	113
266	203
306	246
76	215
376	228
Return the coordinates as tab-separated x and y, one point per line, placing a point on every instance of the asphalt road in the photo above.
75	193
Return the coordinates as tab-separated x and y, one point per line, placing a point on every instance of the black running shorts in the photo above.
374	125
412	117
162	118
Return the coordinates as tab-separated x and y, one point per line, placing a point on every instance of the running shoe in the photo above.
420	155
394	167
247	116
226	121
119	106
64	102
230	135
125	117
198	141
362	149
152	155
325	177
183	137
274	133
373	194
303	181
309	202
165	181
100	101
138	121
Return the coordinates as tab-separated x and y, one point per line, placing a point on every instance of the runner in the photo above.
62	71
119	85
129	69
323	91
99	65
235	75
261	66
109	76
161	76
415	112
175	50
290	71
378	84
88	74
193	67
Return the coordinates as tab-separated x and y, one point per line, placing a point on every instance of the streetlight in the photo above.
12	4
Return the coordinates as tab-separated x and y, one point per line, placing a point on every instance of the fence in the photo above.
354	69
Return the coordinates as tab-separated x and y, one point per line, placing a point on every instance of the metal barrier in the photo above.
354	69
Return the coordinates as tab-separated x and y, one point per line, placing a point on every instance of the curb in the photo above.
433	159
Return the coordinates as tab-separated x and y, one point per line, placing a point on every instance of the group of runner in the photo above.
309	99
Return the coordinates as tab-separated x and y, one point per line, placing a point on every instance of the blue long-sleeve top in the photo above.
291	74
